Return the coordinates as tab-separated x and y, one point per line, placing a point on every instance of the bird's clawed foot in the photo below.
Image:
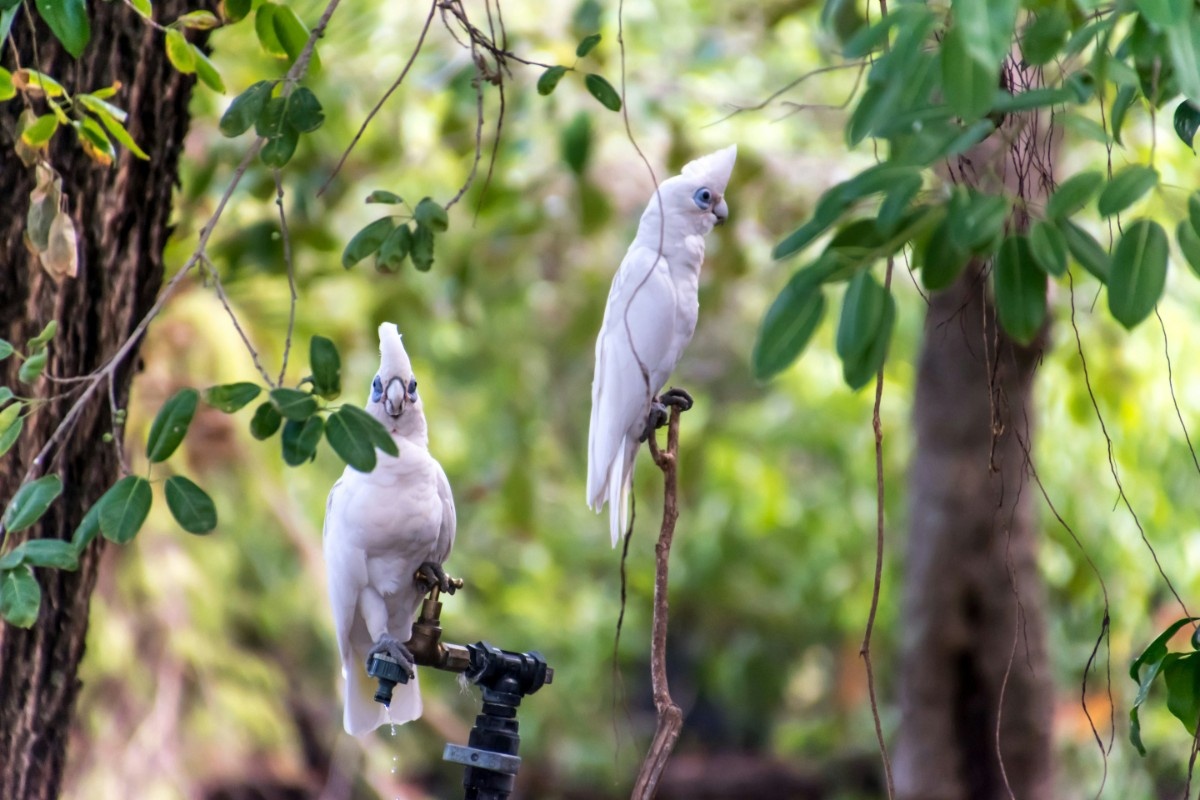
677	398
431	574
389	646
659	413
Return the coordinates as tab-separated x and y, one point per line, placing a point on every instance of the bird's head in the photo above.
697	195
394	388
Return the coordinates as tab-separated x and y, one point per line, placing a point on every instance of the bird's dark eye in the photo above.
703	199
412	386
377	388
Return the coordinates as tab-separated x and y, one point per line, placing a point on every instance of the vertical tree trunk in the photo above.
121	216
971	576
975	688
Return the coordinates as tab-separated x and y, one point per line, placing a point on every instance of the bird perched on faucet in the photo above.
387	533
648	321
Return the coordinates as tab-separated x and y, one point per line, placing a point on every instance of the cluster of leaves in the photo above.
933	91
597	85
1181	674
278	118
392	242
122	510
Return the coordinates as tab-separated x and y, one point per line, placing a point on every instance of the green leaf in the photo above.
68	21
304	111
978	224
264	28
586	45
199	20
1182	676
987	26
575	142
292	35
11	424
113	125
603	91
30	502
95	141
293	403
1189	245
1126	97
970	83
7	90
902	192
1073	194
549	80
20	597
231	397
788	324
1126	188
124	508
42	553
89	528
1139	272
326	367
1045	36
942	260
367	241
384	196
179	52
1163	13
245	109
171	425
394	249
1049	248
1183	45
871	38
829	208
421	251
31	368
6	349
1020	288
432	215
10	435
868	311
279	150
1034	98
300	440
40	131
143	7
354	435
265	422
1187	120
235	10
1086	250
207	72
32	79
1193	205
191	507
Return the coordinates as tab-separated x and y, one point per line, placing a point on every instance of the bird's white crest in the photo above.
393	358
712	170
648	321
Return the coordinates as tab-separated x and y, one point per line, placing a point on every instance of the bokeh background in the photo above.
211	669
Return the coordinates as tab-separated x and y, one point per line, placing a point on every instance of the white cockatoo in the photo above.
650	317
387	533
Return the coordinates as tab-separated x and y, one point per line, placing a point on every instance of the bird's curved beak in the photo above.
394	396
722	212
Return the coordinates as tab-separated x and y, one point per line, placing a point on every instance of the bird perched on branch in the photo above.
387	533
650	318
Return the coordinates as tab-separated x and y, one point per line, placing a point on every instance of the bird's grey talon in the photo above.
654	420
431	574
678	398
391	647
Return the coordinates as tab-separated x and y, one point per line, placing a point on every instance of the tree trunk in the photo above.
975	684
121	215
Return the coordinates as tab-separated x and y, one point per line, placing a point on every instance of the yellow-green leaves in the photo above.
1139	272
282	34
179	51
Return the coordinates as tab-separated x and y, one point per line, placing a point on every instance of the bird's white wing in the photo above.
632	351
445	539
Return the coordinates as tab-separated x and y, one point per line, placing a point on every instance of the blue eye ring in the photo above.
376	389
703	199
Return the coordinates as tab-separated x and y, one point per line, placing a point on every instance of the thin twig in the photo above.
291	276
395	85
211	271
865	650
1171	383
670	717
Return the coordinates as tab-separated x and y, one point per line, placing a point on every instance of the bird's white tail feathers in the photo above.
620	481
364	715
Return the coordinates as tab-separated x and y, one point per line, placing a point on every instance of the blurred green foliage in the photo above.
211	661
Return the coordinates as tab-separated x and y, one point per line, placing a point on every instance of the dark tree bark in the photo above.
975	688
121	216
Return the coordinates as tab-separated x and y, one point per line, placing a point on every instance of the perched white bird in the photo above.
382	528
650	317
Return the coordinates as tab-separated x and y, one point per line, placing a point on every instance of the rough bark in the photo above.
121	215
975	688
